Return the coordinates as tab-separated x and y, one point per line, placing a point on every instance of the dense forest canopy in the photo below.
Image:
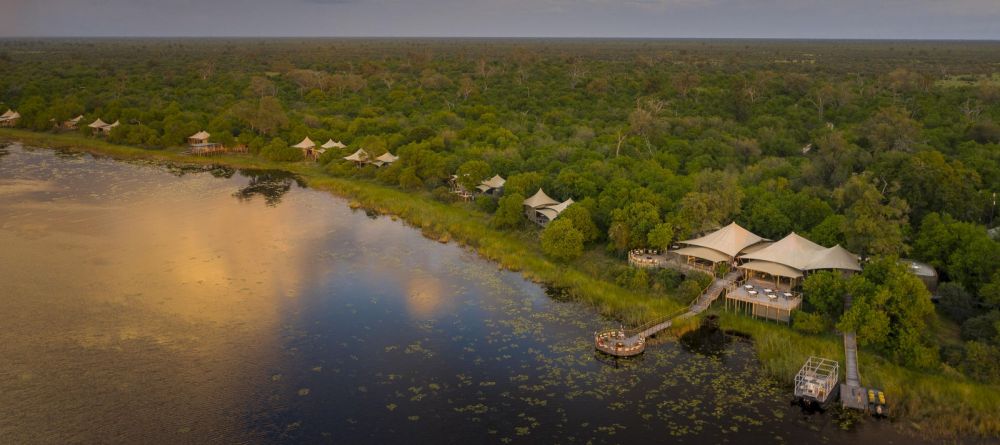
891	149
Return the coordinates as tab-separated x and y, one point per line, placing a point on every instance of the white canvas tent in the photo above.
333	144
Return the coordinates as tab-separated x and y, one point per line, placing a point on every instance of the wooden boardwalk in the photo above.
698	306
852	394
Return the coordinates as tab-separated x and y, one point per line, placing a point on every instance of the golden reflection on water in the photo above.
147	311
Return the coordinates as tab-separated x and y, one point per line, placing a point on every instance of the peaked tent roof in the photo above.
333	144
559	208
98	124
306	143
835	257
772	269
359	156
7	114
495	182
76	119
387	157
793	251
117	123
540	199
201	135
730	240
704	253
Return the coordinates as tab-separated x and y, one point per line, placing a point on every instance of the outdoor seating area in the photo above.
762	300
617	343
646	257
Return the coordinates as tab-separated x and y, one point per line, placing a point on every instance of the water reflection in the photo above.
145	306
272	185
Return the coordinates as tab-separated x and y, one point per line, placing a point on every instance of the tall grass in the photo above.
939	404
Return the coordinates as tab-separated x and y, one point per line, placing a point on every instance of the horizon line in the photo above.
445	37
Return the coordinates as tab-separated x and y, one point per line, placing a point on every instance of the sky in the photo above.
820	19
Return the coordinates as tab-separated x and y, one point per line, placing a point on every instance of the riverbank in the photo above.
934	404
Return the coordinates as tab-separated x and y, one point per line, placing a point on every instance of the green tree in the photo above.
509	214
874	225
825	291
631	224
580	216
561	241
661	236
471	173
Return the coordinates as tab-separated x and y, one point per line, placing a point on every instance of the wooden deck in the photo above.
633	341
757	302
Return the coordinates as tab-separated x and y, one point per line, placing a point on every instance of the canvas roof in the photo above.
549	213
730	240
775	269
495	182
540	199
7	114
387	157
359	156
702	252
561	207
98	124
793	251
76	119
333	144
117	123
835	257
201	135
306	143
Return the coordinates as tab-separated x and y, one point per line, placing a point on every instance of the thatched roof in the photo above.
359	156
305	144
730	240
333	144
540	199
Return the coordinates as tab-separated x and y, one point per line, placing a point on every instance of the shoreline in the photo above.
934	404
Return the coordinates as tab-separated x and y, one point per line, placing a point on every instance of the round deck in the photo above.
615	343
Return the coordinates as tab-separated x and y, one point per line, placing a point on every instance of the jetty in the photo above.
630	342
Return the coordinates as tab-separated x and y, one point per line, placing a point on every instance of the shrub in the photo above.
809	323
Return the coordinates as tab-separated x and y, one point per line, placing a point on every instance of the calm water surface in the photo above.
156	304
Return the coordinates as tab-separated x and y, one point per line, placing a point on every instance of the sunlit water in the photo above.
145	303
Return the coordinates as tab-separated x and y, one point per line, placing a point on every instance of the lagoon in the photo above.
157	303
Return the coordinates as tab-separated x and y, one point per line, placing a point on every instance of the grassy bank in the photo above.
937	404
435	219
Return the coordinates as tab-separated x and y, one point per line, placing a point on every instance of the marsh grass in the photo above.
936	403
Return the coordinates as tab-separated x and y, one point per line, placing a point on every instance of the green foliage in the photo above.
278	150
980	361
891	311
486	203
962	252
510	212
580	216
984	328
661	236
471	173
561	241
873	223
809	323
631	224
825	291
955	303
